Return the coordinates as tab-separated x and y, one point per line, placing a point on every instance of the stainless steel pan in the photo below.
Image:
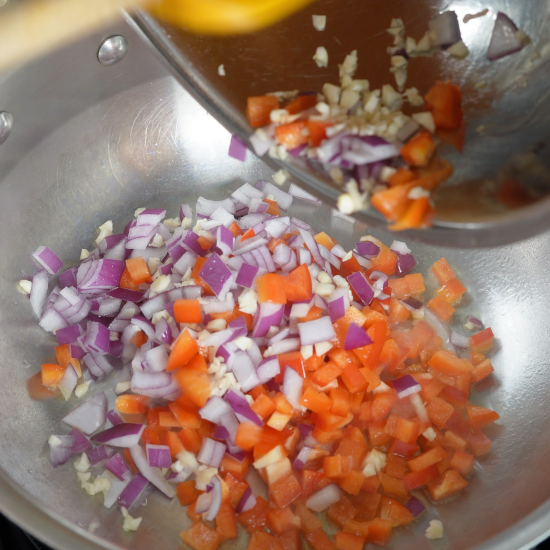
91	143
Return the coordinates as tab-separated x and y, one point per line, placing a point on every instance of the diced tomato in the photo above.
317	131
263	541
349	541
394	486
414	480
425	460
255	519
292	134
392	510
259	108
393	202
183	351
482	370
444	100
187	492
283	520
313	481
419	150
463	462
439	411
402	449
443	271
297	284
318	540
354	445
271	288
380	531
337	466
301	103
441	308
450	484
480	417
446	362
451	291
482	341
285	490
52	374
132	404
201	537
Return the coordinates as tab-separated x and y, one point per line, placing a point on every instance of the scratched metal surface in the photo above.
92	143
280	58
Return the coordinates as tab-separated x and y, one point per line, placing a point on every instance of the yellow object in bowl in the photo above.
224	16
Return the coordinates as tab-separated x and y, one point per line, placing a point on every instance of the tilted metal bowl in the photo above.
91	143
506	102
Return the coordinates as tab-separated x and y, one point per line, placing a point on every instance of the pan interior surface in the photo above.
92	143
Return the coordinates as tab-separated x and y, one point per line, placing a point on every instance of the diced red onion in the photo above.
88	416
285	346
312	246
405	264
221	432
356	337
361	287
459	340
268	315
39	291
216	499
299	193
97	338
380	280
154	384
277	227
284	200
215	274
304	256
324	498
157	359
126	294
203	503
292	387
46	258
415	507
268	369
270	265
440	328
68	383
446	28
475	321
123	435
81	442
400	247
363	262
247	502
249	245
211	452
327	255
97	455
301	458
305	430
246	193
247	275
158	456
117	466
68	277
241	408
412	304
114	418
130	495
318	330
504	39
163	332
367	249
152	475
406	385
206	208
59	454
215	409
237	148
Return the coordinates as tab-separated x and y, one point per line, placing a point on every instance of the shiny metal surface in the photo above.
112	50
93	143
6	123
511	109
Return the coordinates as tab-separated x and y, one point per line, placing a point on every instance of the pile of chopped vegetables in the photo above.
363	140
252	342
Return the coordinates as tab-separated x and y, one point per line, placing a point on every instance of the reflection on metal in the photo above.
112	50
510	98
6	123
3	3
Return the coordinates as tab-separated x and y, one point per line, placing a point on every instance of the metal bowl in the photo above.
506	102
90	143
